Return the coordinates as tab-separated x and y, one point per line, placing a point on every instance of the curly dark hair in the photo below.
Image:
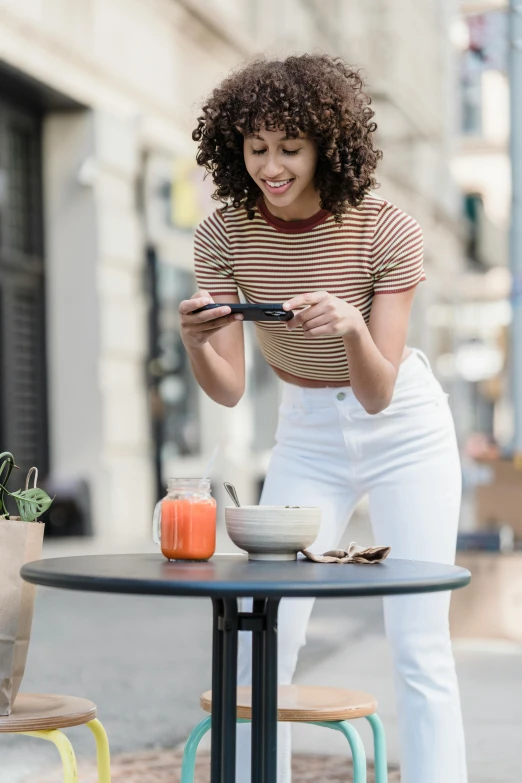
318	95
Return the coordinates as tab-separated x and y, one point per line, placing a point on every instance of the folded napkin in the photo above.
354	554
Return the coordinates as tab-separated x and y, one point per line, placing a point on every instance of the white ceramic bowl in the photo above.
272	532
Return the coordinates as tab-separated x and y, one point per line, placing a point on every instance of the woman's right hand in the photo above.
196	330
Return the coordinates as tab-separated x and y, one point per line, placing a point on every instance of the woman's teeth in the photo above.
278	184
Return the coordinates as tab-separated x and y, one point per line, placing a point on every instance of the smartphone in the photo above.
253	311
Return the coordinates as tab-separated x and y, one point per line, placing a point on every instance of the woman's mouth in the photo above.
277	187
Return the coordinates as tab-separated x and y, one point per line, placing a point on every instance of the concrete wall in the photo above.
73	307
97	316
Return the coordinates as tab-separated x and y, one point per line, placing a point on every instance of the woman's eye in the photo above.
286	152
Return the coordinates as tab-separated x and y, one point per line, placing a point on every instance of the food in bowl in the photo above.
273	532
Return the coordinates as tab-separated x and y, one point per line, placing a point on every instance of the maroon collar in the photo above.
292	226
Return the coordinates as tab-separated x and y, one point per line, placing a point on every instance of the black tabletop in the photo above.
229	576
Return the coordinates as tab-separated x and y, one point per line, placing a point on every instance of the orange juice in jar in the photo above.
184	522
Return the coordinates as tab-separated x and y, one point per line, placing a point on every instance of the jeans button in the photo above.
341	396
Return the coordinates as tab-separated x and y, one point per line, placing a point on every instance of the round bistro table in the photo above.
224	579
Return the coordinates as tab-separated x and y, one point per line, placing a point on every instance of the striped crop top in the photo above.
376	250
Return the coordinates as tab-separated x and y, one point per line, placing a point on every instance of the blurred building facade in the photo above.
99	196
482	169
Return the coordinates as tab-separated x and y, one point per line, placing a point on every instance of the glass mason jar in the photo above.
184	522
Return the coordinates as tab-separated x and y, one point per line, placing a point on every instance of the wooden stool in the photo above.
331	708
43	715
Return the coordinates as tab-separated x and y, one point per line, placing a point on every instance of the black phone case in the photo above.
253	312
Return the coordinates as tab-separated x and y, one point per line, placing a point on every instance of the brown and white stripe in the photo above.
376	250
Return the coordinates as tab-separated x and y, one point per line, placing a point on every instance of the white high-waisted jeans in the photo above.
329	453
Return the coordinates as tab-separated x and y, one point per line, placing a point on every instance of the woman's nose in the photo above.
272	168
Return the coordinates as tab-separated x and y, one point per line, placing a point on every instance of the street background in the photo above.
99	198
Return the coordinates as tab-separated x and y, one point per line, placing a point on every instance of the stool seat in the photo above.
43	711
306	703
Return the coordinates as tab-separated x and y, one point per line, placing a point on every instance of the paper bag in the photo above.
20	542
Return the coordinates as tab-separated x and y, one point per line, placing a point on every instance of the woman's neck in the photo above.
304	207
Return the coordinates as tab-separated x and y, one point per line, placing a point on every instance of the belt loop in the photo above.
303	400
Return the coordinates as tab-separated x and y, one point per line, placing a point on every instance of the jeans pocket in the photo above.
291	418
422	405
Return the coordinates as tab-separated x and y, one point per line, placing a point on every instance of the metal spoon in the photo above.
232	492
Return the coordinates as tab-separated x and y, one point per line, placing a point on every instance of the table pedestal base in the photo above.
262	623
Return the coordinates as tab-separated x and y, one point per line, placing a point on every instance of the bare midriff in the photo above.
308	383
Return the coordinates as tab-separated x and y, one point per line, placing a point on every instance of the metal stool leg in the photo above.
103	756
358	754
379	744
356	746
65	749
345	727
188	764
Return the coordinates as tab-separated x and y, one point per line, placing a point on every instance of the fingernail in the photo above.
238	317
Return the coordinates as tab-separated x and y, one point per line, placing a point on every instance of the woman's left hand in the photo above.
324	314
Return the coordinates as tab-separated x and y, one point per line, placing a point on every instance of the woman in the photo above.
290	148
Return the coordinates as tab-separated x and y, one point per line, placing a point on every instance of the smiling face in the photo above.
284	170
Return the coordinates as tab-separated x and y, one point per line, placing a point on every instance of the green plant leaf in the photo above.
31	503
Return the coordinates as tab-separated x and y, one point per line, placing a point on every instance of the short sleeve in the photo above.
213	263
397	252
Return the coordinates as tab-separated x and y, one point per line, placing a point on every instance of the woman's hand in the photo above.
196	330
324	314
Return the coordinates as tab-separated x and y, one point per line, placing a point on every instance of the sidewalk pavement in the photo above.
165	767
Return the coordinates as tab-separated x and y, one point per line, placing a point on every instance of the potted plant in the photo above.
21	539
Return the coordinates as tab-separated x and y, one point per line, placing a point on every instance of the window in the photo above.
23	397
486	49
173	390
